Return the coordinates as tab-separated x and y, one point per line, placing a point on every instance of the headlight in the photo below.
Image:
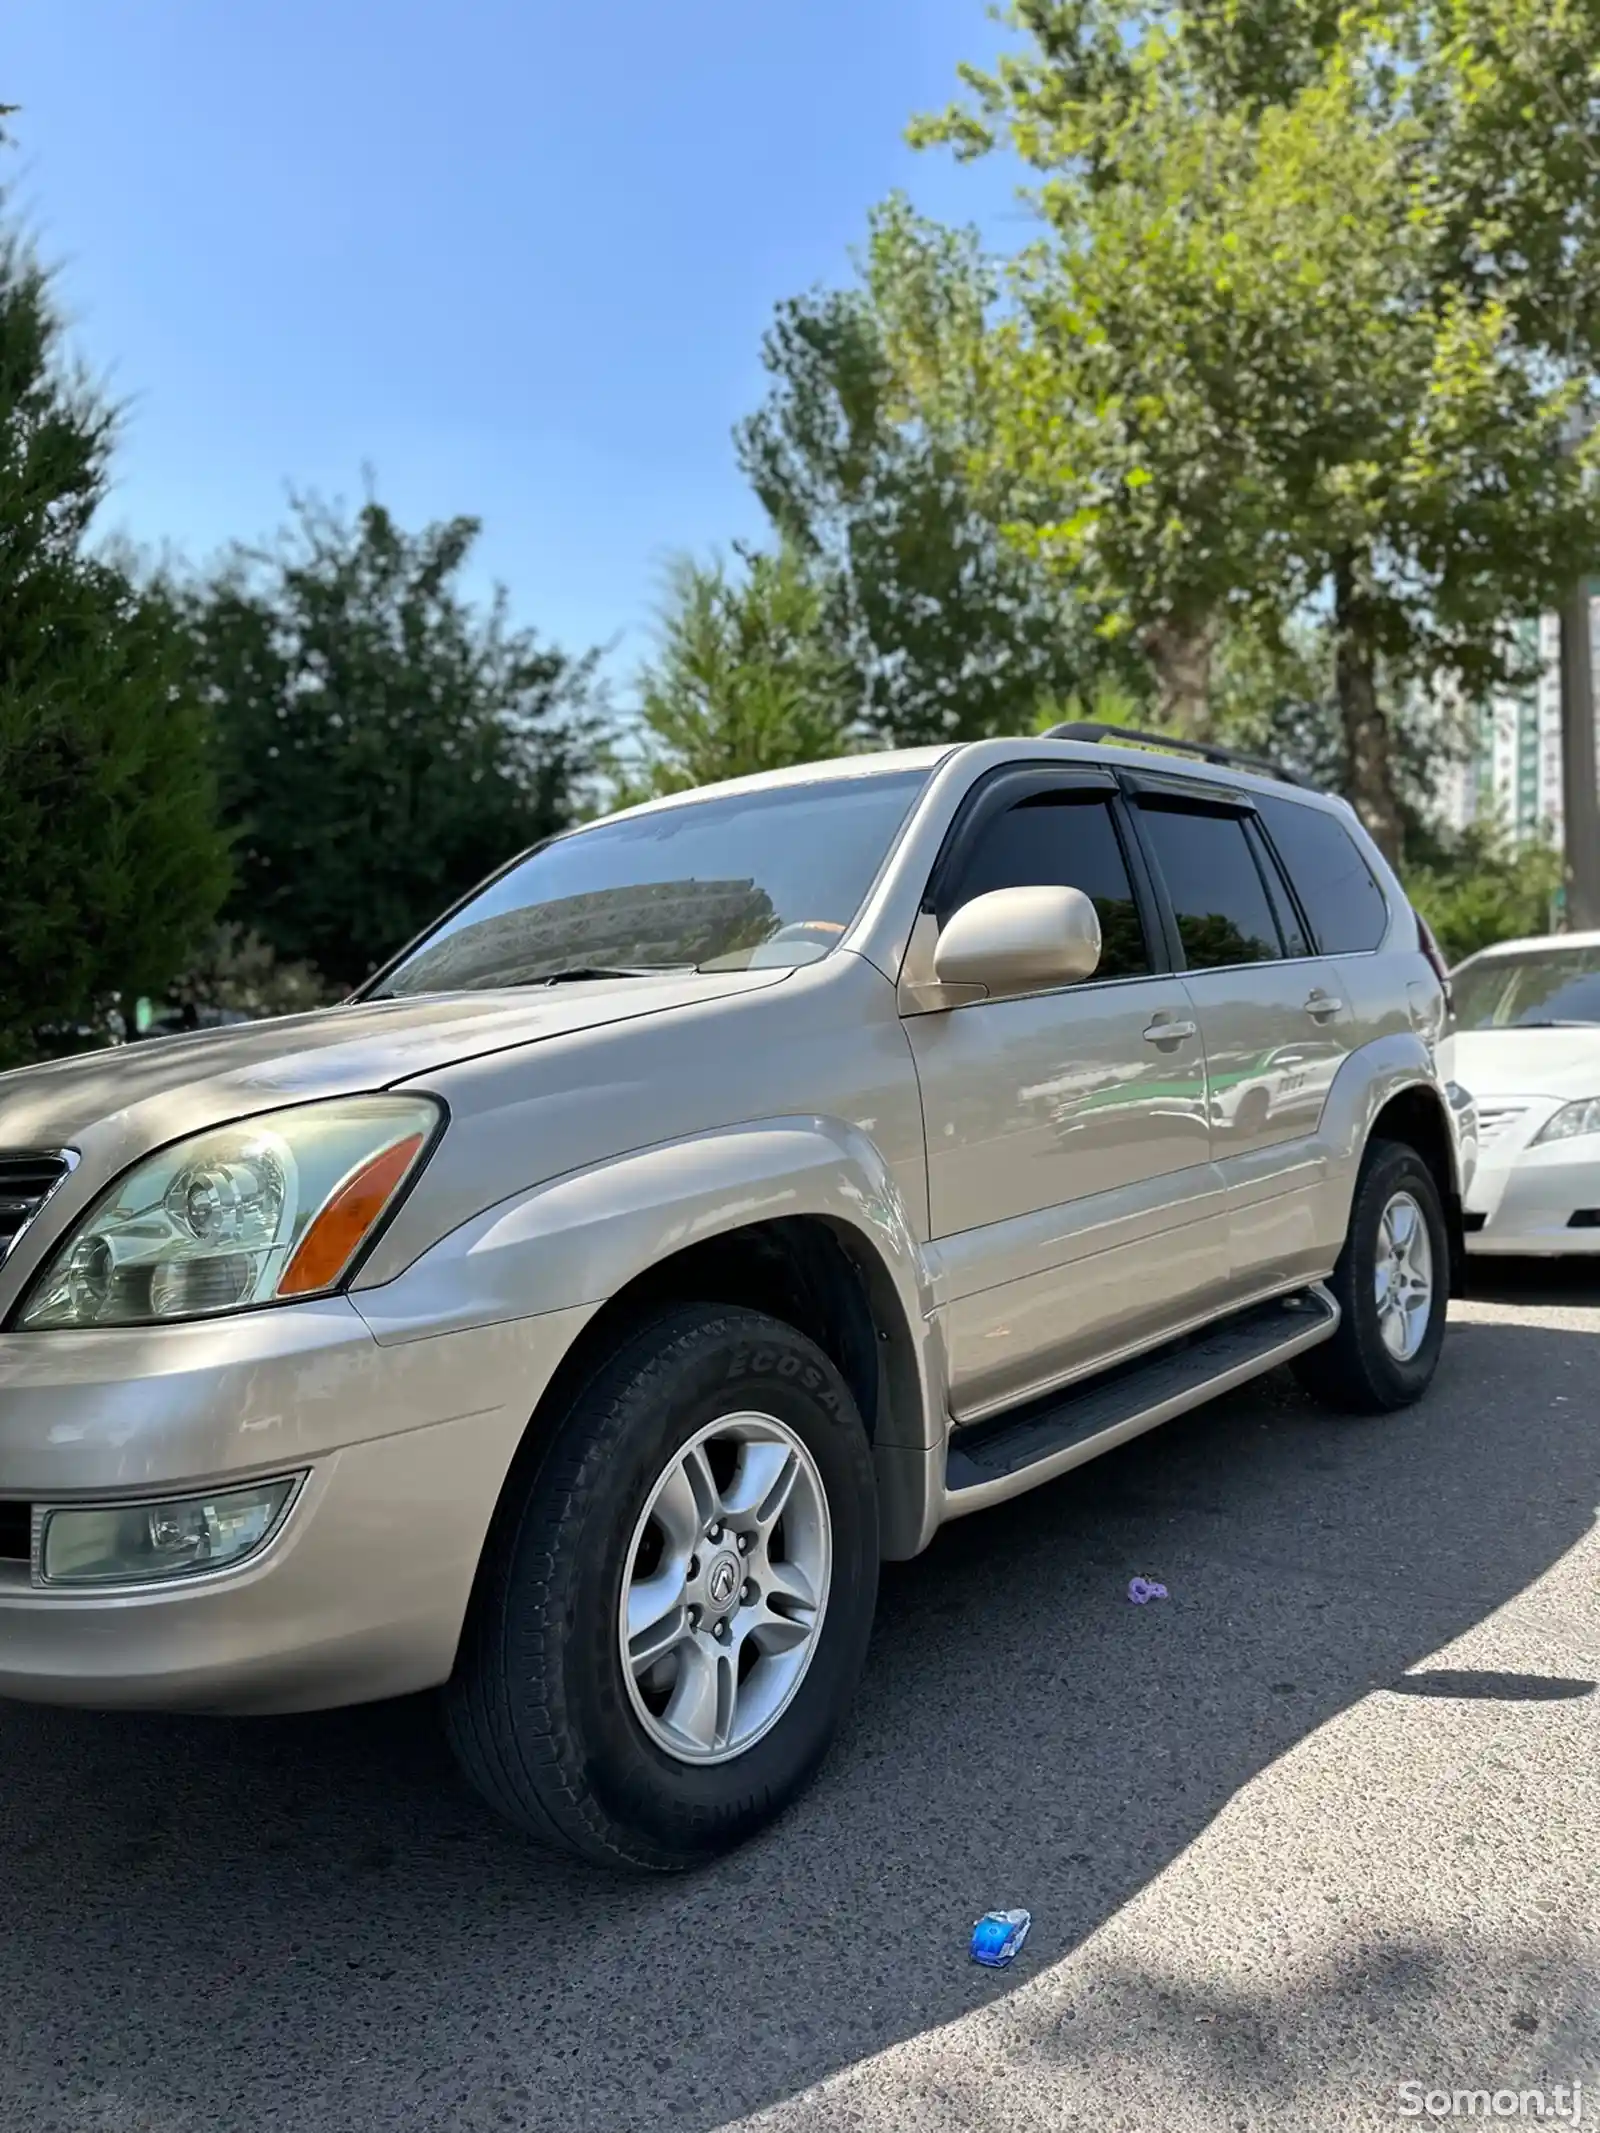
1571	1120
259	1212
123	1544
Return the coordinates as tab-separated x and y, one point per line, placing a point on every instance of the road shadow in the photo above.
309	1923
1572	1283
1347	2043
1476	1686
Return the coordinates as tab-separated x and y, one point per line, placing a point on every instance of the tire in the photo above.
1252	1116
1360	1371
540	1711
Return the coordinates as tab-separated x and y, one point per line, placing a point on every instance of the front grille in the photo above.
16	1530
26	1182
1495	1119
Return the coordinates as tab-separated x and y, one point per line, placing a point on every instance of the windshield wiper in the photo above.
577	974
1582	1022
580	972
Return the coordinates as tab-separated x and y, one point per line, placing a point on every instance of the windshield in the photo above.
1544	985
750	880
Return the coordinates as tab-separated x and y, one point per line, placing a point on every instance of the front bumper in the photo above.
1525	1197
363	1590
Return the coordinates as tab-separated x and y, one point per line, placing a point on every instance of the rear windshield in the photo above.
1541	988
766	879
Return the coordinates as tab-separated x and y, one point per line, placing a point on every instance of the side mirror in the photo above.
1020	940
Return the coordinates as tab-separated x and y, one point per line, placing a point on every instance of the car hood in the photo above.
1522	1062
111	1106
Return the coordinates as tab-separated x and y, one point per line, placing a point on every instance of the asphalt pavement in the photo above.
1324	1822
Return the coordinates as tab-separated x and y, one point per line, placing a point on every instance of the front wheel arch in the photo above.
537	1708
811	1272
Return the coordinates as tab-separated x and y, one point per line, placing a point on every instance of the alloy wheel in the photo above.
724	1588
1404	1277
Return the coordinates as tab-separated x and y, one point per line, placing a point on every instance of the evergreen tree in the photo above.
748	676
111	863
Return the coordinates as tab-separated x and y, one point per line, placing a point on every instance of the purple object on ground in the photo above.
1142	1589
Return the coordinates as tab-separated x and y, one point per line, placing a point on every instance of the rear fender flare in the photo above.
1368	1080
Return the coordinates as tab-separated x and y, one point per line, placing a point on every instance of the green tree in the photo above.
747	676
382	743
111	863
1476	887
1275	691
951	632
1260	359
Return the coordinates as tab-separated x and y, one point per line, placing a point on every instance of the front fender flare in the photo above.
572	1243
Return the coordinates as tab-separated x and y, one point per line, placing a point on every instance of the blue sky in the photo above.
517	257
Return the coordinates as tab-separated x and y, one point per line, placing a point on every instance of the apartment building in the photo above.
1515	769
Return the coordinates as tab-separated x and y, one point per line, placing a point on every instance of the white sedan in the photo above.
1527	1044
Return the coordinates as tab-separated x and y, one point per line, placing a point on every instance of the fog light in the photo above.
134	1543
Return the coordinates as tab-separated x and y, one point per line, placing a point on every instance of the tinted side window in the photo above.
1341	899
1218	896
1066	838
1291	927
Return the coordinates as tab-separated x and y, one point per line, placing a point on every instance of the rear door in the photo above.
1074	1209
1347	917
1273	1016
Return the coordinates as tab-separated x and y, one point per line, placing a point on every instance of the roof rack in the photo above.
1090	729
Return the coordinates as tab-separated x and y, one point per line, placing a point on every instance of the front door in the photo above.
1074	1208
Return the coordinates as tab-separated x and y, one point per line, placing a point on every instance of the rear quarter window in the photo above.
1337	891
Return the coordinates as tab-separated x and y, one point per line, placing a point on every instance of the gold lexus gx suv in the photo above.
718	1200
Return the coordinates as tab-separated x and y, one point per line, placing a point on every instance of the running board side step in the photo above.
997	1459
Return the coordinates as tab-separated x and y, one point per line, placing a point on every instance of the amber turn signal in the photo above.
346	1218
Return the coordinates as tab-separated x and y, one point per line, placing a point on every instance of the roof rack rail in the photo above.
1091	729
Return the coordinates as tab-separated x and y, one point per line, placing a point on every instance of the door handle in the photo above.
1323	1004
1165	1031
